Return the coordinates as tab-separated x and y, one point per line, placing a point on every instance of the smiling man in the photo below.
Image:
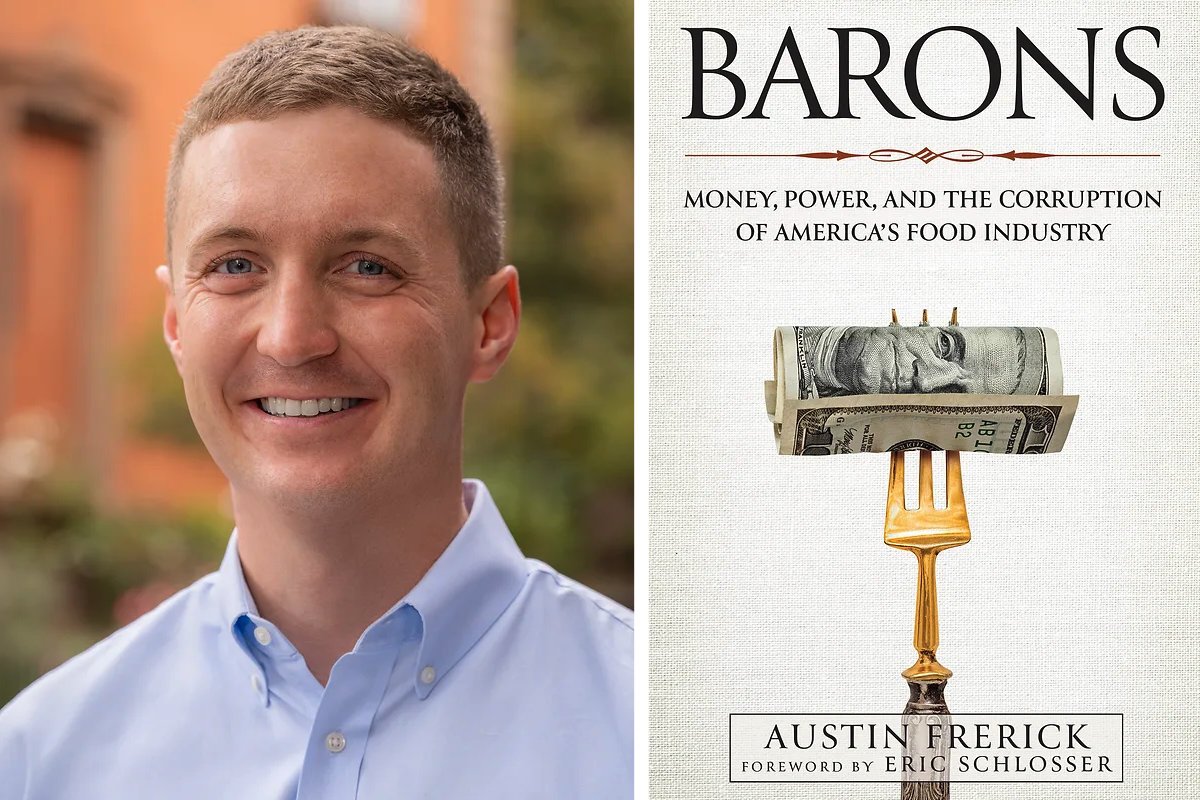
334	284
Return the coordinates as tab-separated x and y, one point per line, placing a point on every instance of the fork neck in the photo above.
926	697
925	627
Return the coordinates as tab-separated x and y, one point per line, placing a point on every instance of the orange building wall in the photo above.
51	182
95	234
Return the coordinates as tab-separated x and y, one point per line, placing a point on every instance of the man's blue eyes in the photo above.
369	267
235	266
243	266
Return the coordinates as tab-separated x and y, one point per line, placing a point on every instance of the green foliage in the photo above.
553	434
66	570
163	413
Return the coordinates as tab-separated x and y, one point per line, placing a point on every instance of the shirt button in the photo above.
428	674
262	635
335	742
256	681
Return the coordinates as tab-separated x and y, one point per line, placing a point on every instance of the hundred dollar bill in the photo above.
989	423
836	361
840	389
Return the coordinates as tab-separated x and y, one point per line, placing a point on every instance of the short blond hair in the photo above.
383	77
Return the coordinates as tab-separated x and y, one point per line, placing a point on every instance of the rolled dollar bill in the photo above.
894	387
814	361
989	423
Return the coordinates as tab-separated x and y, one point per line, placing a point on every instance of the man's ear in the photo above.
170	317
498	300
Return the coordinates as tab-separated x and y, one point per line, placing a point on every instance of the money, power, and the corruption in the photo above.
876	390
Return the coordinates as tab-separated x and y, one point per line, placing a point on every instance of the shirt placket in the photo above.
337	741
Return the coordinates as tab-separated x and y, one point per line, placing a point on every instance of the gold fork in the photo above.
926	531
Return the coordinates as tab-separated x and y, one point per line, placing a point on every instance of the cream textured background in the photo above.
771	588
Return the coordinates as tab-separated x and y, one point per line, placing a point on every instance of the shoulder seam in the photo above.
590	594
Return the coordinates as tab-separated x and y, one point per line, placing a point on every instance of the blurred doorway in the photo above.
49	281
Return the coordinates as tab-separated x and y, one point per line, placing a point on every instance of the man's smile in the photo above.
310	407
307	412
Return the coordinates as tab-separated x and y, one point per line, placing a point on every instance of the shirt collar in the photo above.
233	596
470	585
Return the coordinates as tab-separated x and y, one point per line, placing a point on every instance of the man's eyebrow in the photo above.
395	238
226	233
241	233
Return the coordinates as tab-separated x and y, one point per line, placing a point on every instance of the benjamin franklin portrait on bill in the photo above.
922	360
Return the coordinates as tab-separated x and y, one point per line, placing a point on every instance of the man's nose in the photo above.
935	375
297	325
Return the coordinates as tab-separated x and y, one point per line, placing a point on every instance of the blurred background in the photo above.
108	501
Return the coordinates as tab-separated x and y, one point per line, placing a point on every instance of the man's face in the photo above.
918	360
313	268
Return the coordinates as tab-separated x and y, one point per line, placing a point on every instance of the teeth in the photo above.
287	407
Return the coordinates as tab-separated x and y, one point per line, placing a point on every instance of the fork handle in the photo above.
926	678
925	627
926	697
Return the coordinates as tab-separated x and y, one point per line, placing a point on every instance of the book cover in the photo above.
1030	165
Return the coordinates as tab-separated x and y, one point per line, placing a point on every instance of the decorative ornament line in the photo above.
924	155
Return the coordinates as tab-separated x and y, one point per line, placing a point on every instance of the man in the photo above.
925	359
333	286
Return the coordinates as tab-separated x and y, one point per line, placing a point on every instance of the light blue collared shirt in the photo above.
495	677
